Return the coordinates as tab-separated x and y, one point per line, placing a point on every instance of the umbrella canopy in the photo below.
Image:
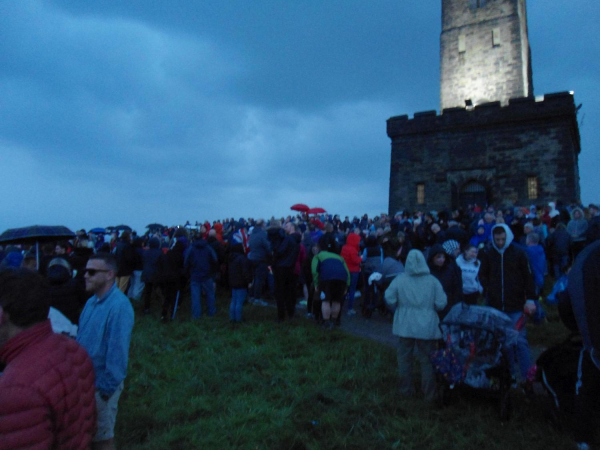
35	233
122	228
154	226
301	207
316	211
98	230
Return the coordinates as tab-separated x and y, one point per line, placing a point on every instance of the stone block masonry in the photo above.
499	148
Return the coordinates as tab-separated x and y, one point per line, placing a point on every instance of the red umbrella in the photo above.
300	207
316	211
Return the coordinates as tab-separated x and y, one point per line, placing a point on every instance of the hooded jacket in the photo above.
583	287
417	295
553	212
505	274
171	265
537	262
201	261
150	257
260	247
577	228
66	293
240	272
449	275
559	242
350	253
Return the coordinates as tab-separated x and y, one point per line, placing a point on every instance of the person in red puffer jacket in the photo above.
47	389
350	253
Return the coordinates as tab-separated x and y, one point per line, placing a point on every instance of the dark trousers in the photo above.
587	402
149	290
285	291
169	291
260	270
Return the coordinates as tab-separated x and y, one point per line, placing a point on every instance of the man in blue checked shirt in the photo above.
105	329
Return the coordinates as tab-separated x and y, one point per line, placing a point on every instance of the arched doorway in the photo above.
473	192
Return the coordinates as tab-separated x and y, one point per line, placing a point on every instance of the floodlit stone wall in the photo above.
499	147
484	52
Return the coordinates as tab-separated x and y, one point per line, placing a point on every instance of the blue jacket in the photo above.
105	327
286	252
327	266
200	261
537	261
150	258
260	248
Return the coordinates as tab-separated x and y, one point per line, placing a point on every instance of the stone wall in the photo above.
494	61
498	147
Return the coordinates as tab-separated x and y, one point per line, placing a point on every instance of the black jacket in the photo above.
127	258
449	276
170	266
506	275
240	273
66	293
150	273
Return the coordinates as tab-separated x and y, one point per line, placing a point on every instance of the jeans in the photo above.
196	289
559	263
523	354
352	289
261	270
237	300
419	349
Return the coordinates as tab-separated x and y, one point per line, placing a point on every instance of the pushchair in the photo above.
474	354
374	300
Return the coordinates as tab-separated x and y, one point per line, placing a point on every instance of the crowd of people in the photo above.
414	265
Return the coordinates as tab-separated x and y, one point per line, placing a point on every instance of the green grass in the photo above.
293	386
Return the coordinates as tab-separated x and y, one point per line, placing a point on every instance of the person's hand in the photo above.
529	307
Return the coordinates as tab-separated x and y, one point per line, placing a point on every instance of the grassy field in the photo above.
265	385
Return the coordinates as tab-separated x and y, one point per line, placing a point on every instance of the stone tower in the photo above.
493	143
484	52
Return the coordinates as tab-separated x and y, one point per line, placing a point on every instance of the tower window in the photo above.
474	4
462	43
496	37
420	193
532	188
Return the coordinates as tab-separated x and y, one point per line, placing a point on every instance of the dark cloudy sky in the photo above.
146	111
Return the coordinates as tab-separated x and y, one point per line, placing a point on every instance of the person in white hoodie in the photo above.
416	295
469	265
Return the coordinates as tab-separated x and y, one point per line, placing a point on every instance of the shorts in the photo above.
107	415
333	289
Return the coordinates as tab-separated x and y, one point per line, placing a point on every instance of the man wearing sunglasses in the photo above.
105	329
